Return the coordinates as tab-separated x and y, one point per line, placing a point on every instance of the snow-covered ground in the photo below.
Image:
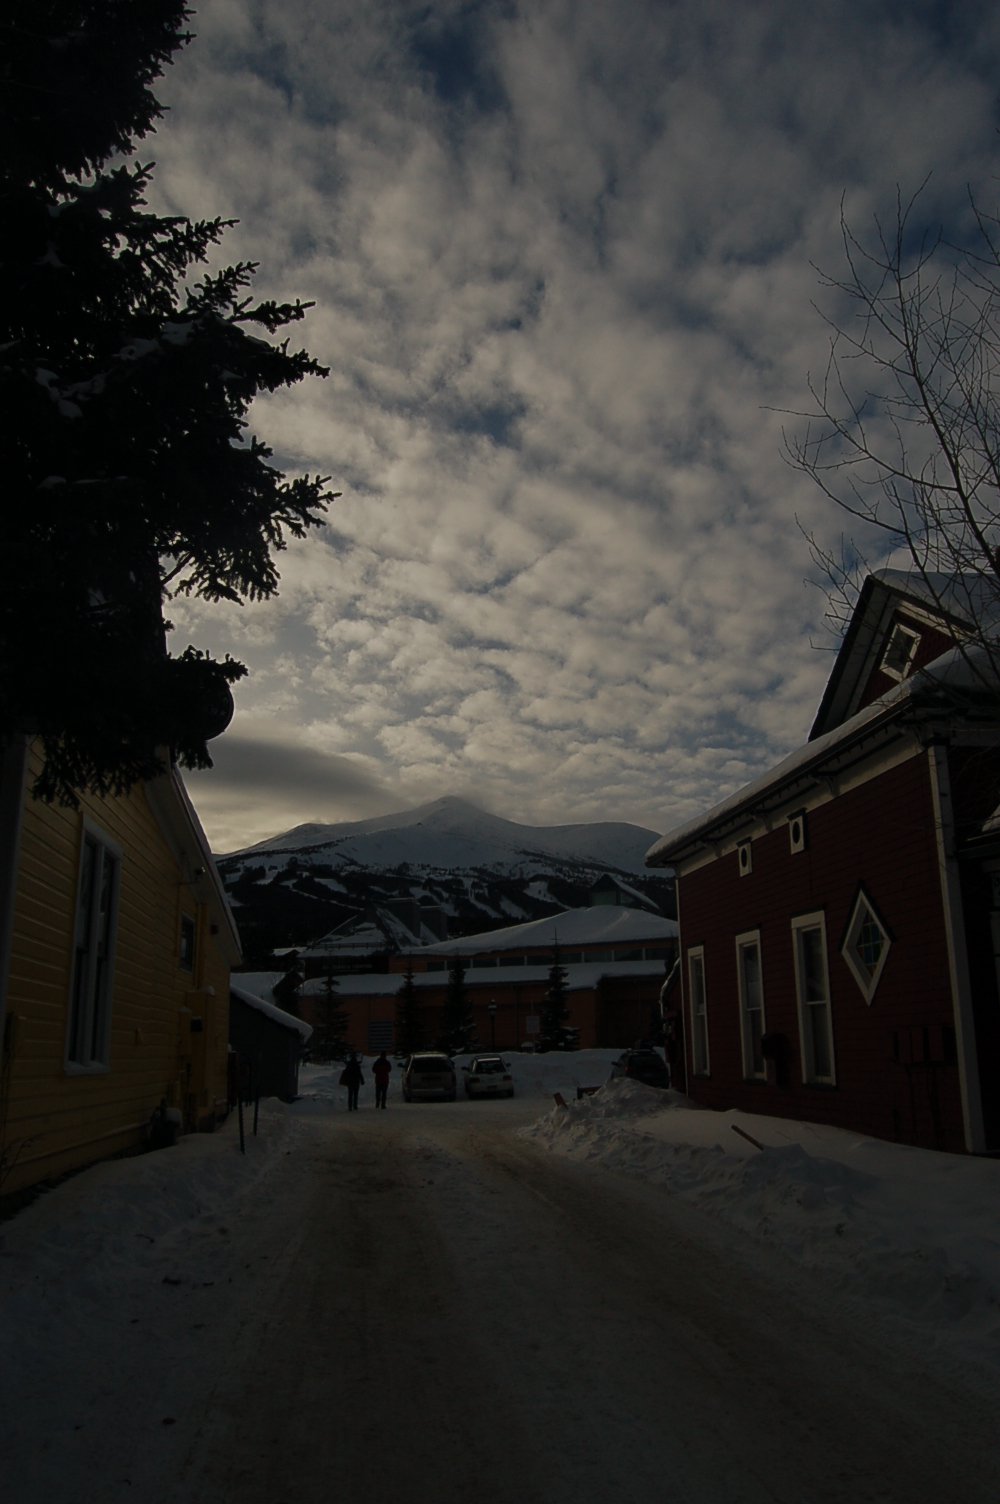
88	1270
915	1229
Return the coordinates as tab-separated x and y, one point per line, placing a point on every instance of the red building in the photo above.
840	917
615	959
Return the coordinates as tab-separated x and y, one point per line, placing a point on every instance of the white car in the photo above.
488	1076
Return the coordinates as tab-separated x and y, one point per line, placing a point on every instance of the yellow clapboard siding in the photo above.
72	1118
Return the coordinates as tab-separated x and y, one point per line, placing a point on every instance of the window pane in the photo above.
869	943
814	1004
813	968
752	1000
822	1056
90	990
750	955
699	1017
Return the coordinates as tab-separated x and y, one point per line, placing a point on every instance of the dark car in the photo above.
429	1075
643	1064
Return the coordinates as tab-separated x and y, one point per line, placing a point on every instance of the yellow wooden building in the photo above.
116	944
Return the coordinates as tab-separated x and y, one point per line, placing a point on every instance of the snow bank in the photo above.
914	1229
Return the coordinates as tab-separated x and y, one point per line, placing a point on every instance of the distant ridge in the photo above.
474	870
421	833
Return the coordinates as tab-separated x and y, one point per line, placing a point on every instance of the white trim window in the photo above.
866	946
98	883
751	989
797	832
900	651
698	1008
812	987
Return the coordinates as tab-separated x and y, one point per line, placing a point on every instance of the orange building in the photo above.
616	960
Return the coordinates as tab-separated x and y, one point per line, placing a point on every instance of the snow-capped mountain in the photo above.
472	870
450	832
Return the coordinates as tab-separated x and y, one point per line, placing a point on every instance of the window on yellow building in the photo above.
98	883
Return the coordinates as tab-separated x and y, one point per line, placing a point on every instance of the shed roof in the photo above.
272	1011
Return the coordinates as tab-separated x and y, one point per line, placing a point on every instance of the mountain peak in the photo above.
477	870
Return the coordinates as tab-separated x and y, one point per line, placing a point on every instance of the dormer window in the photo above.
901	650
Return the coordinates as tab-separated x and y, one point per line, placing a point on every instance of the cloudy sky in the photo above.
563	255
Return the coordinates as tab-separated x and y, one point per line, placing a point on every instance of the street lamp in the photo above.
491	1009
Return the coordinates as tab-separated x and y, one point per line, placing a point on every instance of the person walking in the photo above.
353	1078
380	1070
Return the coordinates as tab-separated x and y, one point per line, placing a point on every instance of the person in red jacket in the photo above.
380	1070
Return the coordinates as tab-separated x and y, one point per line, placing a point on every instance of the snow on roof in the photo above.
604	924
962	670
580	977
272	1011
364	937
969	597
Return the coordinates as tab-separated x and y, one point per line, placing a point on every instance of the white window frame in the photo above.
815	1013
95	933
754	1064
901	637
867	980
797	832
701	1062
744	857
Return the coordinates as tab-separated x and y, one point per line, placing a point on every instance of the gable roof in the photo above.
177	818
963	676
951	603
602	924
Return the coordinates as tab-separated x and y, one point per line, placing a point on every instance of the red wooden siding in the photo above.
933	642
896	1075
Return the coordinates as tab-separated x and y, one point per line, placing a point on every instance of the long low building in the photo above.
615	960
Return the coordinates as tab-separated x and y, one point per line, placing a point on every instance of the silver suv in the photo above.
429	1076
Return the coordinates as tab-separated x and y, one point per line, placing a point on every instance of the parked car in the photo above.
488	1076
642	1064
429	1076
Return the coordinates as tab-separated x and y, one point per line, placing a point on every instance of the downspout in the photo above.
958	958
13	775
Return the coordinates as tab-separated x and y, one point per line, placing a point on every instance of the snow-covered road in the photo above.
423	1305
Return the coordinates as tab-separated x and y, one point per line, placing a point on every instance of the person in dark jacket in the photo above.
380	1070
352	1077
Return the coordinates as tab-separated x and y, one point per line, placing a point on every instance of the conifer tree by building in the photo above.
333	1023
554	1033
130	471
457	1020
410	1028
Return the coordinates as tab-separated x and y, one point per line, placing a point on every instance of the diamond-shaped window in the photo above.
866	946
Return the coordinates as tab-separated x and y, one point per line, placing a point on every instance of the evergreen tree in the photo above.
131	476
457	1021
554	1035
409	1017
329	1041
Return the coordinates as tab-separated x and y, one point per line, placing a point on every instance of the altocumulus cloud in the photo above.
563	257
